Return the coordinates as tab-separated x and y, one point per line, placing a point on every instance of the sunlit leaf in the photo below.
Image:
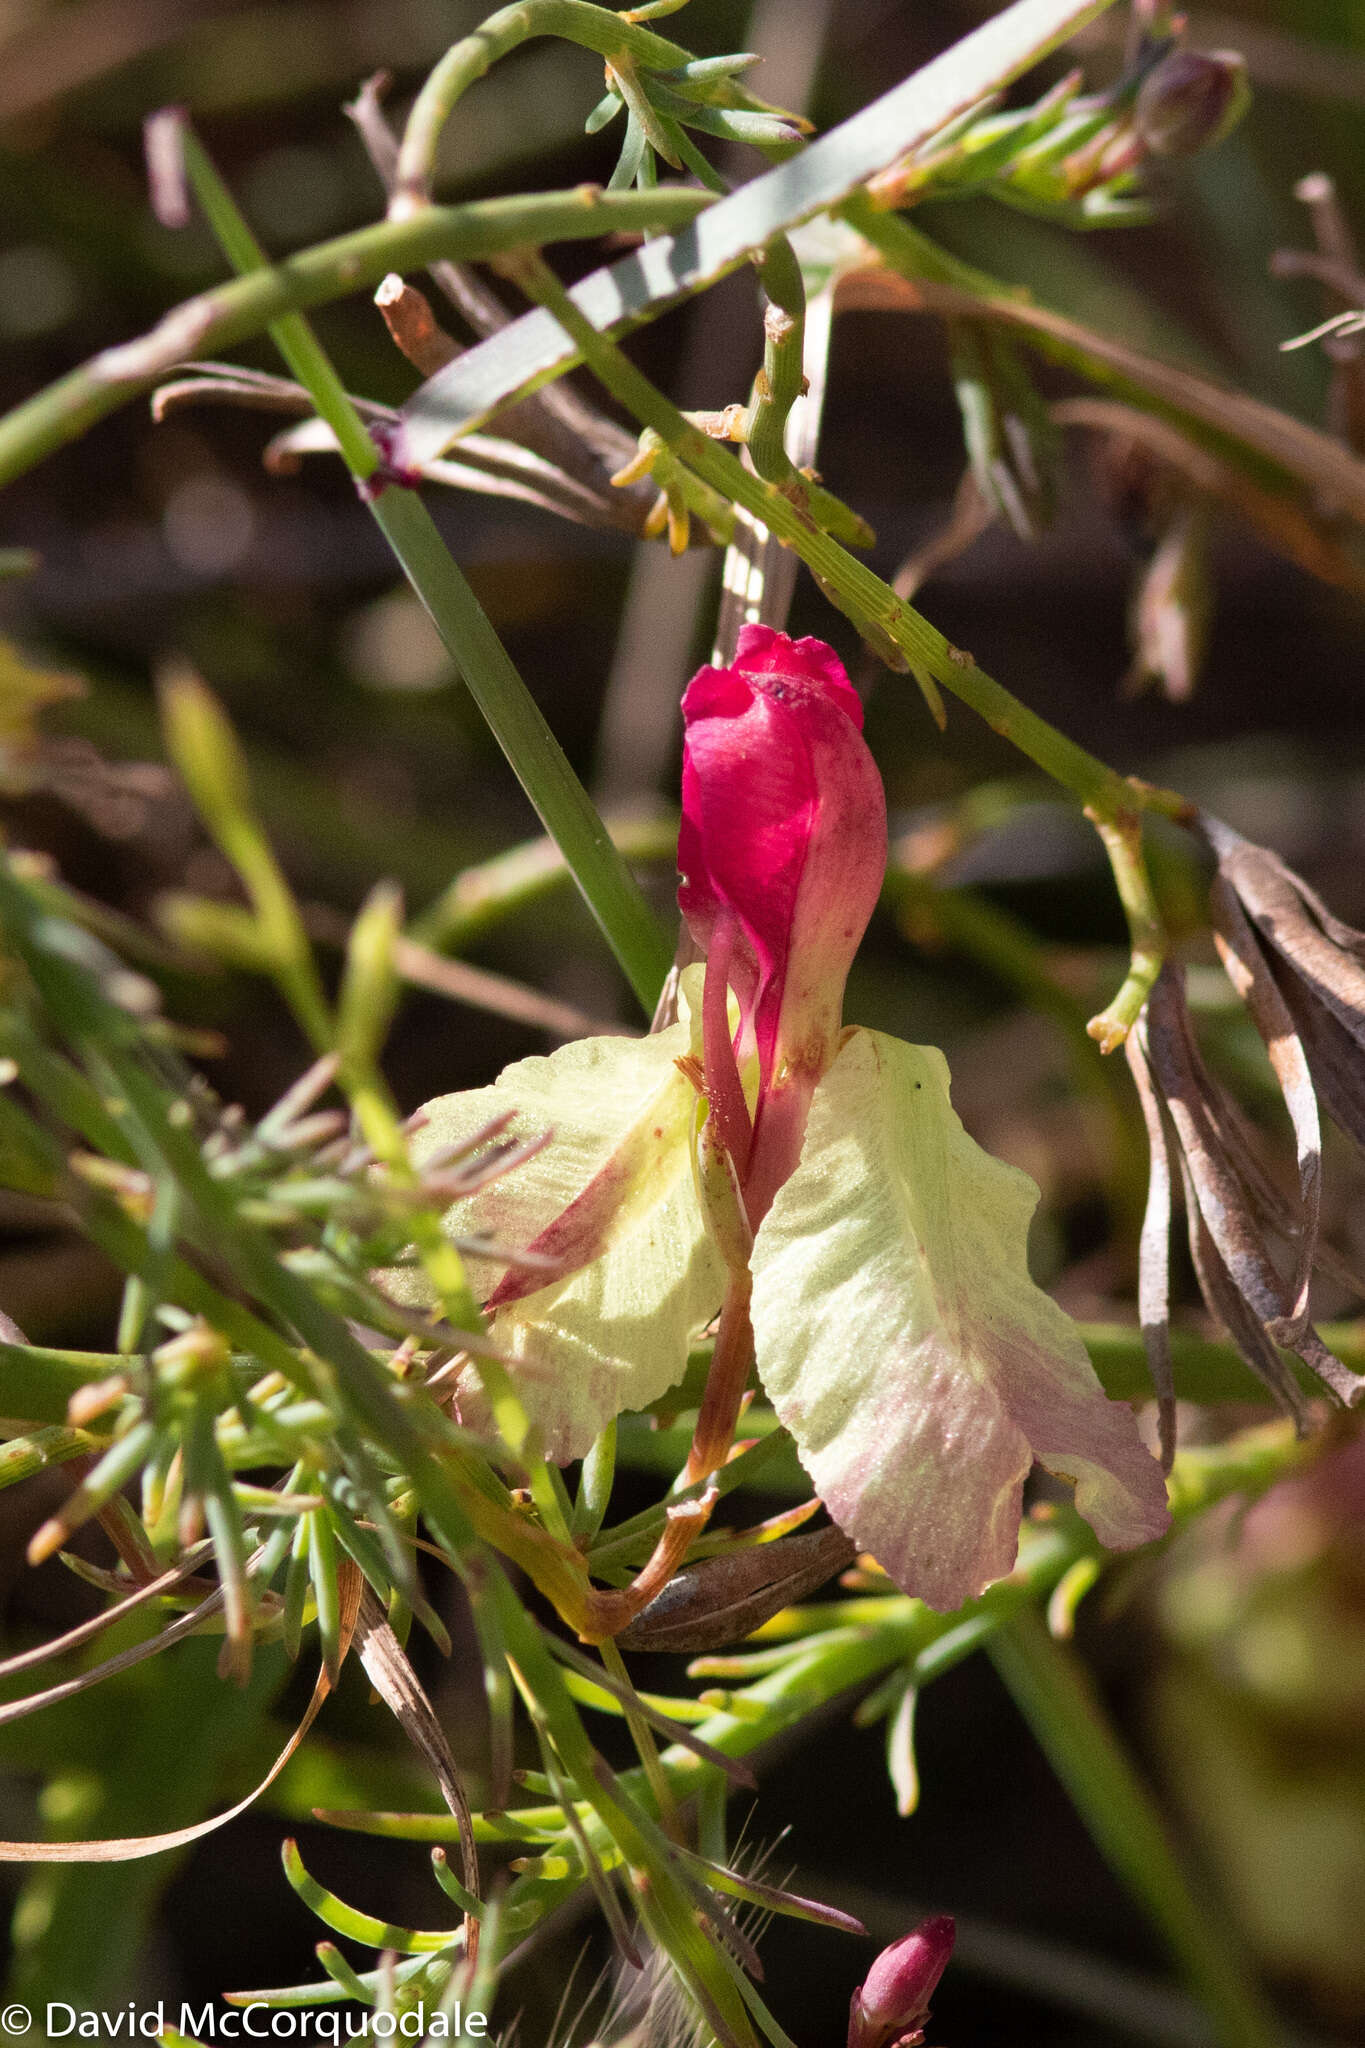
610	1200
355	1925
904	1345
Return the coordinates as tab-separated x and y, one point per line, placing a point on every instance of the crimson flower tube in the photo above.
782	852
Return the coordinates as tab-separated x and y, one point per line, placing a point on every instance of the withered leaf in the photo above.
1250	975
1225	1302
1230	1196
393	1678
1275	902
1154	1248
1221	1196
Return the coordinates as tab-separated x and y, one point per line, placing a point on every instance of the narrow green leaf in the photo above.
356	1926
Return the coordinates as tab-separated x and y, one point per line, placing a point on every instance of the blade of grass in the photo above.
1052	1691
536	758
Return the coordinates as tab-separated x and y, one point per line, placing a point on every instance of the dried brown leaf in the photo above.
1276	904
393	1678
1222	1198
86	1631
1154	1247
1227	1306
1333	1055
1250	975
129	1848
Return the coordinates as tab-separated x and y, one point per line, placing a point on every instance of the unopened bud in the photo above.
891	2005
1190	100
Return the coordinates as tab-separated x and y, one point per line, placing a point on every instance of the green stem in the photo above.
642	1735
536	758
232	313
594	28
290	332
618	1829
1122	837
479	898
1051	1689
854	586
843	1646
1110	799
781	380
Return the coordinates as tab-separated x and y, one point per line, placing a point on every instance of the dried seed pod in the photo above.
1231	1201
1261	907
1154	1249
1295	927
725	1598
1250	975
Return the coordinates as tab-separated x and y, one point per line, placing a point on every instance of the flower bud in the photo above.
784	828
891	2005
1190	100
782	851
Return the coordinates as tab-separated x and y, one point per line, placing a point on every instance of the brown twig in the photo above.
414	327
555	423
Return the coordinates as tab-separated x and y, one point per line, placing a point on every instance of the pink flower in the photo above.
782	852
891	2005
869	1261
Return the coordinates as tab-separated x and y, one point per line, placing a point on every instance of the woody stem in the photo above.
604	1614
725	1383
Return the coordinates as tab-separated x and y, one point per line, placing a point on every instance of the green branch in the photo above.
797	1667
539	762
612	36
235	312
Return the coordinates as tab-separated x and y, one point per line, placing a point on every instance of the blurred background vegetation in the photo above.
1239	1665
